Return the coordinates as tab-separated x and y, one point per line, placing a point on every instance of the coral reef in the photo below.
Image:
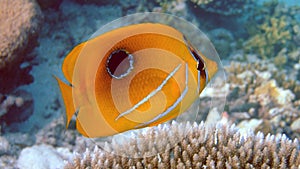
227	8
7	162
53	132
20	22
4	145
42	156
295	126
220	147
260	90
16	107
280	96
177	7
206	7
271	36
273	29
201	2
49	148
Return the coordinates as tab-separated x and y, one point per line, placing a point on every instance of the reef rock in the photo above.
227	8
7	162
20	21
295	126
247	125
4	146
41	156
282	96
45	4
16	107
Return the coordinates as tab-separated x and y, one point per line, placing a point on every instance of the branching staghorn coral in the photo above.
273	29
273	34
201	147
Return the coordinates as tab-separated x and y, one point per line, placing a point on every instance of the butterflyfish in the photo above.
132	77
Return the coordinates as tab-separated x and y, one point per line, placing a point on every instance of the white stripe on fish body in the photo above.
151	94
172	106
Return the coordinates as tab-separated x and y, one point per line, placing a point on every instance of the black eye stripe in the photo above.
196	56
201	64
201	67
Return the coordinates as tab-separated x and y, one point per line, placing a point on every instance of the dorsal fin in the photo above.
70	61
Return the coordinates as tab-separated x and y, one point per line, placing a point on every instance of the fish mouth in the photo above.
151	94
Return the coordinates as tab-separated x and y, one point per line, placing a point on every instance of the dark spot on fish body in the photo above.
119	63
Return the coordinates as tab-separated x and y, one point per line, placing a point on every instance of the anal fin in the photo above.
81	129
67	95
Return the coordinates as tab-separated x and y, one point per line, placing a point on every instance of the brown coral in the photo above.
202	147
20	20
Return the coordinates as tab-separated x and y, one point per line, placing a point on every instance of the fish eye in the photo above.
119	63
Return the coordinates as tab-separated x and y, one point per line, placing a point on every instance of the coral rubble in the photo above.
261	91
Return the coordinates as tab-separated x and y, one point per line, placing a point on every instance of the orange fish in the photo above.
132	77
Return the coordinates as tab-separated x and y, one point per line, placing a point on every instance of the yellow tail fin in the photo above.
66	91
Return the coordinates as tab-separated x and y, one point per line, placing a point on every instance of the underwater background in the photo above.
258	43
